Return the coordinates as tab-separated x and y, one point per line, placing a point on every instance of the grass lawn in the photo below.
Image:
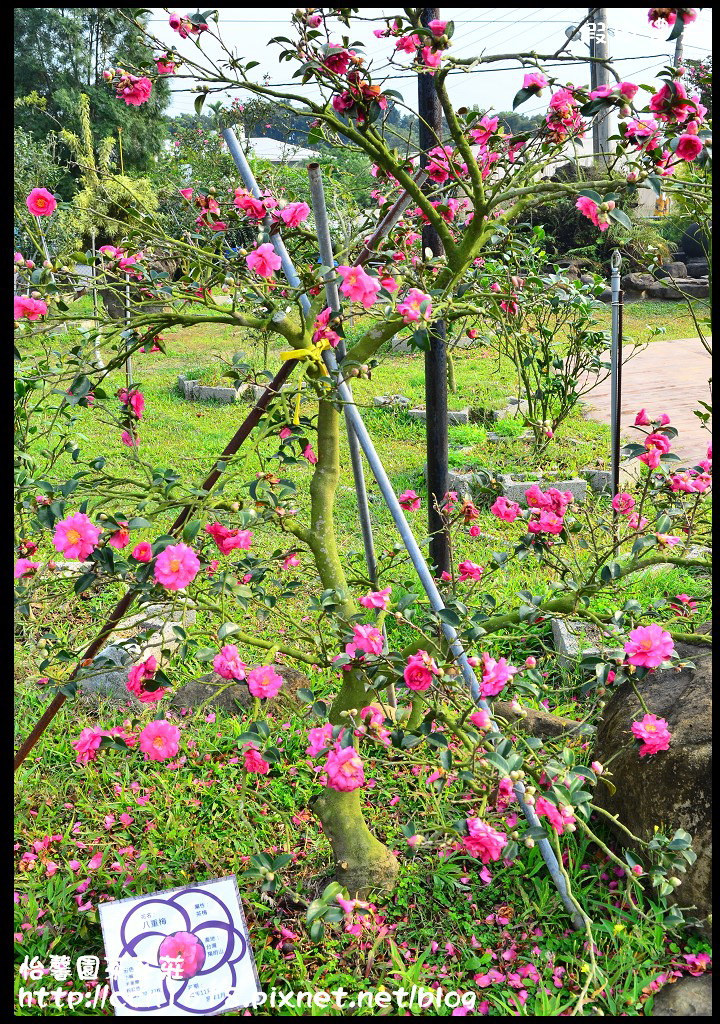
451	922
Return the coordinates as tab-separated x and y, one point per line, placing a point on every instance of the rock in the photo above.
514	486
587	279
456	417
673	787
540	723
235	698
109	673
605	295
637	282
698	268
695	242
688	997
391	401
690	287
675	269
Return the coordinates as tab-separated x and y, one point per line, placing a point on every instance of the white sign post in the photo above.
180	953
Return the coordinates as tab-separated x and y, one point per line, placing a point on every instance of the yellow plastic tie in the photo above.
313	354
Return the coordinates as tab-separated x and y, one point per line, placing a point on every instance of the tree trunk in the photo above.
362	862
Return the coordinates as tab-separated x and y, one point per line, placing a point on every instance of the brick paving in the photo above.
667	376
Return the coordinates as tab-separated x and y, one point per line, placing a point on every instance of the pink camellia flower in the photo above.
291	562
24	567
137	676
130	440
186	193
264	681
121	537
133	90
689	147
642	419
410	309
419	671
530	662
344	770
654	733
28	308
165	66
687	605
557	816
377	599
546	522
76	536
339	61
535	81
87	744
320	737
365	638
254	761
506	510
649	646
437	26
431	58
228	540
142	552
159	741
409	501
589	208
484	841
651	458
407	44
623	503
228	664
636	522
359	286
480	719
186	950
264	261
285	433
294	214
469	571
495	675
41	203
176	566
309	454
133	399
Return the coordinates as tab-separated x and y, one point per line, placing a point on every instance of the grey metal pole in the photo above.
322	228
437	604
98	356
333	298
413	549
615	263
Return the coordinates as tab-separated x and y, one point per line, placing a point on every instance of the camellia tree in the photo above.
480	181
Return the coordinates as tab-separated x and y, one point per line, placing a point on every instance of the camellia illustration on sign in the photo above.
180	952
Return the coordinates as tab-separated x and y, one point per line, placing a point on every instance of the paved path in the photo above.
667	376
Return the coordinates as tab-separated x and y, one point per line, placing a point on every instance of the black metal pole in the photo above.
618	398
436	410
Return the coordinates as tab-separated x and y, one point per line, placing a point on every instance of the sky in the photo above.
641	51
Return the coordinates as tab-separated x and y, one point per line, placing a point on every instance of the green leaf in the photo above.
621	218
522	96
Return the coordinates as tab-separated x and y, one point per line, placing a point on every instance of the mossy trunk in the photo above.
362	862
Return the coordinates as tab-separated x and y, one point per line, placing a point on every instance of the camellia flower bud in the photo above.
529	842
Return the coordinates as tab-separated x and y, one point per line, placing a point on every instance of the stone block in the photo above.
575	640
391	401
698	268
599	480
224	395
514	486
456	417
673	290
494	438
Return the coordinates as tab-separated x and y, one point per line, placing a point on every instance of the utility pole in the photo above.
599	77
677	61
436	398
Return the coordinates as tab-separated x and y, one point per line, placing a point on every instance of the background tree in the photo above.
61	52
